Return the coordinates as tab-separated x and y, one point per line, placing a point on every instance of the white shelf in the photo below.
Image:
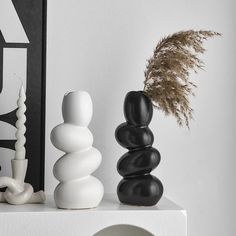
165	219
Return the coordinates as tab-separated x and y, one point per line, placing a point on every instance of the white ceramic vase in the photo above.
77	188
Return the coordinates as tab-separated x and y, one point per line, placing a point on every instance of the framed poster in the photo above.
22	61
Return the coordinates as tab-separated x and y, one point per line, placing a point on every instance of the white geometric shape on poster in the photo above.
7	131
14	74
10	24
6	156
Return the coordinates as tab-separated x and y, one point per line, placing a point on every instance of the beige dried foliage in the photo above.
167	81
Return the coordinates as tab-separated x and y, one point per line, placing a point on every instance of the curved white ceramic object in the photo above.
77	108
77	188
17	191
70	138
78	194
86	164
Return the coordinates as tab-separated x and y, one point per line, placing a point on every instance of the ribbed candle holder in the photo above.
17	191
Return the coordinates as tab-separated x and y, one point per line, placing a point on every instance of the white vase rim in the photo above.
75	91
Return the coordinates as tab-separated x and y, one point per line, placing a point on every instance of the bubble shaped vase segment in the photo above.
77	188
138	186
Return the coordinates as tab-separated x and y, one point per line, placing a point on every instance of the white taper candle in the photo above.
20	125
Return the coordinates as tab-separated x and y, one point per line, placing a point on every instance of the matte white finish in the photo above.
81	193
88	162
18	192
71	138
166	219
77	189
103	50
77	108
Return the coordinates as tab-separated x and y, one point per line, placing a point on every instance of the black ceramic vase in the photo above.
138	186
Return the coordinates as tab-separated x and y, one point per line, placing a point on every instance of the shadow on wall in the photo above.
124	230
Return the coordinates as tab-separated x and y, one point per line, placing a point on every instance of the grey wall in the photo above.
102	47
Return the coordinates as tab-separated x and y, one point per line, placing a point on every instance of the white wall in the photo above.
102	47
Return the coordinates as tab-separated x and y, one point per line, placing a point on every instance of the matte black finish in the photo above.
138	162
138	186
138	109
143	190
132	137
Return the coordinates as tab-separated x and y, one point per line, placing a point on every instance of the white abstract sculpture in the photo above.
77	188
19	192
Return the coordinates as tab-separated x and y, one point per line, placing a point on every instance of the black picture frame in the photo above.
31	14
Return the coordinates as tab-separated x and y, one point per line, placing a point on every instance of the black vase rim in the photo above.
137	91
